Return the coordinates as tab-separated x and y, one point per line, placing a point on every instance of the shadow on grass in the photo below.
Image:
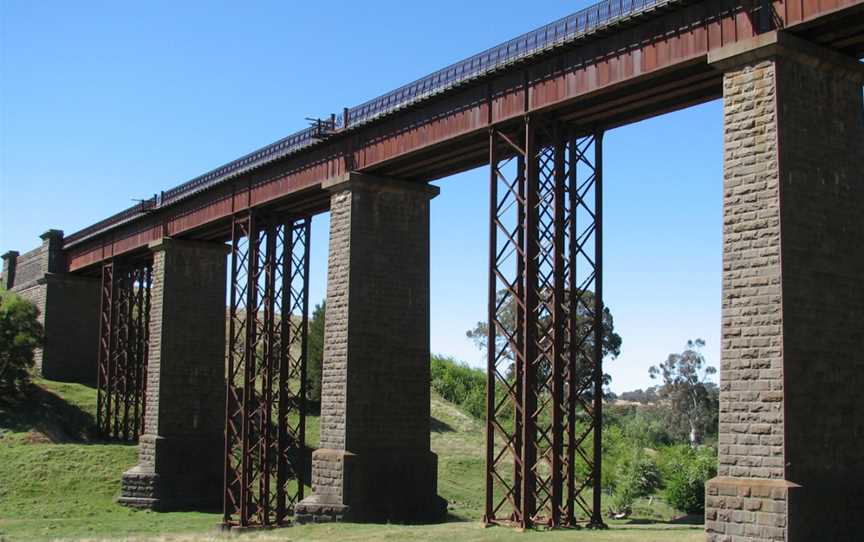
438	426
690	519
48	416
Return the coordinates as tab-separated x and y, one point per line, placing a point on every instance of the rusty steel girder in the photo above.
124	325
545	379
266	388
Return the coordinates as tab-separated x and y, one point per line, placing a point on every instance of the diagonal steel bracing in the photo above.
124	324
545	332
266	388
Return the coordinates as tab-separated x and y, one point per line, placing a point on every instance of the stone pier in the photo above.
375	463
68	309
791	430
181	451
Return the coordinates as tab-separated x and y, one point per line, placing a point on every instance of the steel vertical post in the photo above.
506	357
491	350
235	385
104	374
597	517
529	374
282	473
127	349
267	369
249	369
558	323
306	225
519	329
573	322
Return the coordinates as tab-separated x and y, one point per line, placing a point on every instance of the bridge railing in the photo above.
555	34
537	41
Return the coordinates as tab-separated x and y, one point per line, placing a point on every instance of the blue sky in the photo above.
103	102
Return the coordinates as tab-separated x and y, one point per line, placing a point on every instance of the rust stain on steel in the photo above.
656	49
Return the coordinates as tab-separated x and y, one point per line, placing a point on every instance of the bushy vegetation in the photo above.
648	395
315	352
460	384
685	471
20	334
638	476
646	451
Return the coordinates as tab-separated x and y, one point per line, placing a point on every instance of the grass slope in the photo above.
57	482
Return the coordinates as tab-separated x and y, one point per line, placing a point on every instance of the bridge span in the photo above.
218	410
611	64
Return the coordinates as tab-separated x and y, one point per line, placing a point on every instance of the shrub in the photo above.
685	471
615	450
20	334
315	352
460	384
475	402
647	427
638	476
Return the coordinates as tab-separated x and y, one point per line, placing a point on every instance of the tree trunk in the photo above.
695	437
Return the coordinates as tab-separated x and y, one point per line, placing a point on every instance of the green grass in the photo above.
58	482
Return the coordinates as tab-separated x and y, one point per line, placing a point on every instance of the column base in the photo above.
748	507
175	474
320	509
376	486
140	488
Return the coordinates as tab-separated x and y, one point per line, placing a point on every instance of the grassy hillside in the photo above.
56	481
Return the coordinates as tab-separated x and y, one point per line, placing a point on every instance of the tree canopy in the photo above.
584	323
685	384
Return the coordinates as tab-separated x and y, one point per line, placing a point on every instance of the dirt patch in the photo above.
35	437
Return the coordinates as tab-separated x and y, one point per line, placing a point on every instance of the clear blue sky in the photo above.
102	102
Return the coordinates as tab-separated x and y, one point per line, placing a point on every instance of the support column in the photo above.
180	453
7	278
790	439
375	462
68	308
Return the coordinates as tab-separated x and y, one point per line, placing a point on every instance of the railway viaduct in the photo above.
150	282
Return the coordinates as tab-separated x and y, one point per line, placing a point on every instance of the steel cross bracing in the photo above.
266	388
545	334
123	348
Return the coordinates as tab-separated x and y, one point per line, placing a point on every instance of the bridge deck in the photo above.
611	64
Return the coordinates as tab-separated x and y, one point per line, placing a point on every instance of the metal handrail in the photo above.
541	40
552	35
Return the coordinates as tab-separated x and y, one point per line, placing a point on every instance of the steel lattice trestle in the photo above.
123	348
266	388
545	378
